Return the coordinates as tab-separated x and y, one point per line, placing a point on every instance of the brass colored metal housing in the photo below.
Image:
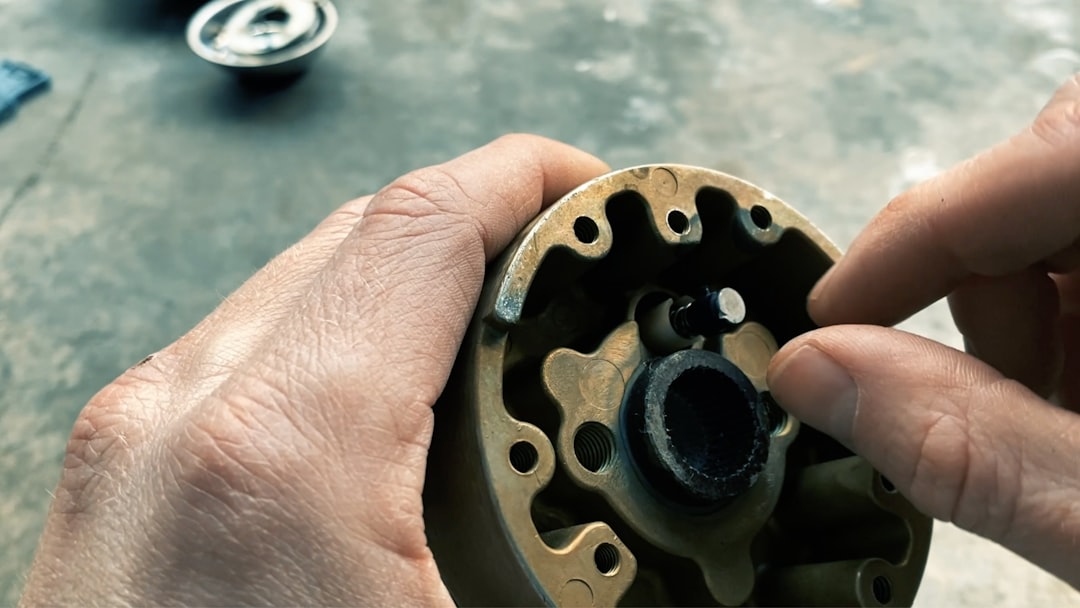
591	450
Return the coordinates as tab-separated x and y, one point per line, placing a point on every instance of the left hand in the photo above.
276	453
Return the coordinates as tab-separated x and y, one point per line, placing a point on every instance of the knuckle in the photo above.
519	140
909	206
220	475
215	468
105	435
344	219
896	208
428	191
1059	123
429	202
243	443
210	458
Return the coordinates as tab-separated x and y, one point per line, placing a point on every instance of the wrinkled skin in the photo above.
276	453
987	440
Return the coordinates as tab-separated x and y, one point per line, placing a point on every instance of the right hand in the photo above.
989	440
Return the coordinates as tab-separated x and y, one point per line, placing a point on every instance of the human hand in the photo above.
276	453
968	439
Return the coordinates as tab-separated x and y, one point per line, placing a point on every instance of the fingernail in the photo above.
816	389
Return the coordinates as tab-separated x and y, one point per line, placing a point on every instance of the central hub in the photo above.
696	428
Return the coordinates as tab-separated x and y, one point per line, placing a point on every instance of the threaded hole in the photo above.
606	557
760	216
523	457
678	222
882	589
594	446
586	230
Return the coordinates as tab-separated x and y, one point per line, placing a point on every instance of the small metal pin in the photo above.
711	314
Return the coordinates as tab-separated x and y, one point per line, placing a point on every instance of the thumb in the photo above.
961	441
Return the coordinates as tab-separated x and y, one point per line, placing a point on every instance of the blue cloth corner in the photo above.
19	82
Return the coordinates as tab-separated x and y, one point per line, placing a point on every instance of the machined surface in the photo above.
588	457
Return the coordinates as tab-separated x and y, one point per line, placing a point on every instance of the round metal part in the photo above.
712	313
607	436
696	428
262	38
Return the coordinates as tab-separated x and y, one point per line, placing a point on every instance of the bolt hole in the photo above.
888	485
761	217
882	589
274	15
523	457
606	557
594	446
586	230
678	222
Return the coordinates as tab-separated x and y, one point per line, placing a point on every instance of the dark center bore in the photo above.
274	15
696	428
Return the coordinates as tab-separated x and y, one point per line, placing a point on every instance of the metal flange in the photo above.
608	435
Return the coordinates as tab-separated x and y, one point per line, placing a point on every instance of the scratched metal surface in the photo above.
145	187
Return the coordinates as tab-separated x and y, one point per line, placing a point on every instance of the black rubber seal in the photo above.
697	428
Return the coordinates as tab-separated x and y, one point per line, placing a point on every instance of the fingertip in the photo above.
780	358
817	303
995	214
814	388
958	439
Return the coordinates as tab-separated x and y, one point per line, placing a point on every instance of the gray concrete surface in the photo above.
145	186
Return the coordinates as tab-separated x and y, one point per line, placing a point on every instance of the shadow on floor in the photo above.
140	17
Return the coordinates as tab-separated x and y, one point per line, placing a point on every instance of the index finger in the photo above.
1008	208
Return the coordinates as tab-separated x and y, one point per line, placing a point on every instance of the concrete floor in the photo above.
145	186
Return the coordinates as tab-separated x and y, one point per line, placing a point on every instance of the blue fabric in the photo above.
18	82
